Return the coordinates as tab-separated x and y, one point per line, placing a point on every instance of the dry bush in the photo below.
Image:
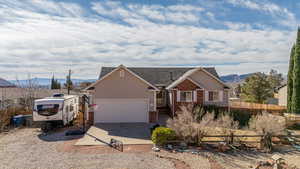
5	117
268	125
192	130
184	125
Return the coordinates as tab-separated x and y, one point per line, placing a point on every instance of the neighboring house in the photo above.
133	94
282	95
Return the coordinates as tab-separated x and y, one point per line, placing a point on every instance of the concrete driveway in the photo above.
128	133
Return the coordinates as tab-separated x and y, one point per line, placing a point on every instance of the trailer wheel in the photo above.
46	127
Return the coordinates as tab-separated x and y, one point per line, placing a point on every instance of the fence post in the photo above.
231	136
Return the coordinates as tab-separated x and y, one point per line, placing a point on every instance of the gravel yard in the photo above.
25	148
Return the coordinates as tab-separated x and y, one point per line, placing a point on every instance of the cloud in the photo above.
280	14
41	43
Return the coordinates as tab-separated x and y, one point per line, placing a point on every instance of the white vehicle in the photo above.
57	110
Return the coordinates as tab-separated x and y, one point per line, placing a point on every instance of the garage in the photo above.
121	111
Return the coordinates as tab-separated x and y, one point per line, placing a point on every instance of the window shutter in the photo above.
178	96
221	96
195	96
206	96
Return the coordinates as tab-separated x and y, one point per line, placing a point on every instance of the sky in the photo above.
39	38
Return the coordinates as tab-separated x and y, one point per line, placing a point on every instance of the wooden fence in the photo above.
245	138
255	107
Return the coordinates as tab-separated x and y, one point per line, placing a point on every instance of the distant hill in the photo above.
5	83
233	78
47	81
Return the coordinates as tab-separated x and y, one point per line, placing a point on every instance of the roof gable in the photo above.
191	72
159	75
151	86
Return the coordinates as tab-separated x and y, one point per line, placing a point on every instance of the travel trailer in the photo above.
56	110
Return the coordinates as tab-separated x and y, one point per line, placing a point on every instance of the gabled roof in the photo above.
190	72
130	71
5	83
157	76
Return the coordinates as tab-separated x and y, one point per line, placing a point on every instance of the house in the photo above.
282	95
136	94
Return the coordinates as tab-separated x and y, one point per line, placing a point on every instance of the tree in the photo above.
238	90
290	80
257	88
296	77
275	79
54	83
69	83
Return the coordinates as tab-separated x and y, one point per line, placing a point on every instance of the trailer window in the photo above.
47	109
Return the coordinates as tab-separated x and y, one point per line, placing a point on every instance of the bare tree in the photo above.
28	93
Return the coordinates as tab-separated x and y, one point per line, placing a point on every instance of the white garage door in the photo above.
121	110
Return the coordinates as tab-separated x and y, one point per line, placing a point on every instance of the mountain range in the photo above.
234	78
47	81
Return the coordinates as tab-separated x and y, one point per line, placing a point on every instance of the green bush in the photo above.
161	135
241	116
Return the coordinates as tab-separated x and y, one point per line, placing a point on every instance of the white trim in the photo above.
206	95
195	95
155	106
221	95
178	96
119	67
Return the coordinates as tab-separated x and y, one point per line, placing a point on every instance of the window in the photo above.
186	96
71	108
213	96
47	109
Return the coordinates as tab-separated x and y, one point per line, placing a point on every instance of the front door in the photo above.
161	98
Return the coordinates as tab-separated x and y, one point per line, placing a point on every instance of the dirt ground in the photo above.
28	148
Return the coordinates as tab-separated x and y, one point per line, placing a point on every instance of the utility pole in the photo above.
69	81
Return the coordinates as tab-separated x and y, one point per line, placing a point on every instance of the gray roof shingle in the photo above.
159	75
5	83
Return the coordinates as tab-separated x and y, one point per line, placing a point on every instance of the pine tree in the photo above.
290	80
296	77
69	82
257	88
53	82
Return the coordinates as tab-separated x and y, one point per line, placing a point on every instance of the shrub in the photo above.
161	135
188	126
267	125
242	117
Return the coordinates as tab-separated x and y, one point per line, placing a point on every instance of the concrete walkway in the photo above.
128	133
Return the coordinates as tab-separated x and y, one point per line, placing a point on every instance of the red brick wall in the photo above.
187	85
200	96
153	116
183	86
